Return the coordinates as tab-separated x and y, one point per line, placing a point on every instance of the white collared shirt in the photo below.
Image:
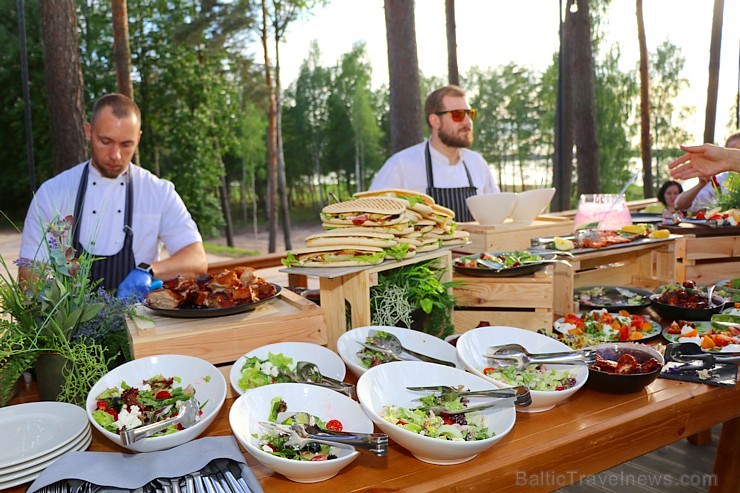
407	169
159	214
707	195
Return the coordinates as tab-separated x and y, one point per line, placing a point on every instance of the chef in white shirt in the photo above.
122	212
442	166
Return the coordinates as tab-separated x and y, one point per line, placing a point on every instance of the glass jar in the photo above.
610	211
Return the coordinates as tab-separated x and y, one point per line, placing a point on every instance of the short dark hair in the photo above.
732	137
664	187
121	106
433	103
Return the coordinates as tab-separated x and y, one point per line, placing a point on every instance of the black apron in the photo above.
113	269
452	198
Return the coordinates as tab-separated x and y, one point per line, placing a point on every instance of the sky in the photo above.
495	32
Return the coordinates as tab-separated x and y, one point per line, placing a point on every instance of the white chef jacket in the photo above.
707	196
159	214
407	169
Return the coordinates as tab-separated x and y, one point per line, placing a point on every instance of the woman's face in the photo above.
670	195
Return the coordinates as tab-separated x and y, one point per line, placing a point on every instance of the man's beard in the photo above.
455	139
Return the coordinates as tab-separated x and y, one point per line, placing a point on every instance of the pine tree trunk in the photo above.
272	171
403	70
563	151
64	86
282	182
121	50
645	147
583	89
454	76
710	116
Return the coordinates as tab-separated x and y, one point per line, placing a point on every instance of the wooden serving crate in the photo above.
289	317
512	236
645	265
707	259
524	301
345	291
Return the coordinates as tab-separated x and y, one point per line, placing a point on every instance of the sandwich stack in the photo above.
377	225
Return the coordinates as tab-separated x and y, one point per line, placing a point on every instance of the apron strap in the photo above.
79	201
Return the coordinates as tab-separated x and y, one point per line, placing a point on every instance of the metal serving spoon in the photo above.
517	356
310	372
393	344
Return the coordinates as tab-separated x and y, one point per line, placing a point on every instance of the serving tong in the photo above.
393	344
517	356
301	435
187	416
519	395
690	353
309	373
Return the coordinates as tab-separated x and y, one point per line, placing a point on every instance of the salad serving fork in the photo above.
187	416
392	343
517	356
448	392
384	351
375	443
519	400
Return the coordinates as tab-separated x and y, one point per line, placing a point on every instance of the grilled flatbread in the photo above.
419	202
371	211
343	237
398	229
334	256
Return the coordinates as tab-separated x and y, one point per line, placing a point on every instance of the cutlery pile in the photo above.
219	476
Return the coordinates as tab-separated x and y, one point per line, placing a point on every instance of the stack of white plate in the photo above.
35	434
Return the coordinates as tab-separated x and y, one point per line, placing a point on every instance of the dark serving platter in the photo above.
612	299
521	270
212	312
674	312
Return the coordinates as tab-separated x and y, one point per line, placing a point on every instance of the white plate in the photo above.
8	472
39	469
329	363
35	429
347	346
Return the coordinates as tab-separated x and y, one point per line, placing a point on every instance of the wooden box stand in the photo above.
219	340
525	301
512	236
345	292
646	265
707	259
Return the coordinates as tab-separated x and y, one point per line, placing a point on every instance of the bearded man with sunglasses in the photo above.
442	166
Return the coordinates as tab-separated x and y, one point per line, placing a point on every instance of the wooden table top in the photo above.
590	432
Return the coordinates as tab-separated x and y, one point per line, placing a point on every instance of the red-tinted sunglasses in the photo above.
459	115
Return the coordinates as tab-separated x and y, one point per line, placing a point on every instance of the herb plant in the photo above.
402	293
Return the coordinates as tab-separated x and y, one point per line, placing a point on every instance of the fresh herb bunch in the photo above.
729	199
421	284
57	309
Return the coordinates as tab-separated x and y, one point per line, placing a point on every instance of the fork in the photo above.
520	400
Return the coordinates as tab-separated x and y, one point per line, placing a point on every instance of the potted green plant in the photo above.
58	322
413	296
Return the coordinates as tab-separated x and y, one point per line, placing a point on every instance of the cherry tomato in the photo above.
488	371
559	387
624	333
163	394
400	422
448	421
700	215
334	425
318	458
113	413
102	405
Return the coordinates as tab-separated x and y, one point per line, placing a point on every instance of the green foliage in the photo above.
730	199
421	283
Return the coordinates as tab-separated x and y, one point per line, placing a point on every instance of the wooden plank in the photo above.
332	300
512	236
727	464
504	295
466	320
224	339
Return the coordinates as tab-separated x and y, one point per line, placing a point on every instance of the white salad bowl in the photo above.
491	208
329	363
210	391
386	385
472	345
254	406
531	203
429	345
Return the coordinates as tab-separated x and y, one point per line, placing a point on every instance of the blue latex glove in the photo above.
137	283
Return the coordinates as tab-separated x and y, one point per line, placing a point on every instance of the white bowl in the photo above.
386	385
254	406
210	391
531	203
491	208
472	345
329	363
347	345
